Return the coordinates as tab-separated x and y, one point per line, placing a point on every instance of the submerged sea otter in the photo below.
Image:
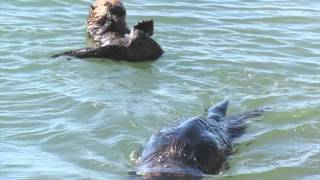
193	147
106	24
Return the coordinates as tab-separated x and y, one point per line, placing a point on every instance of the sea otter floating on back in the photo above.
194	147
106	24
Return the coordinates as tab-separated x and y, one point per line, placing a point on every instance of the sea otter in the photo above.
194	147
106	24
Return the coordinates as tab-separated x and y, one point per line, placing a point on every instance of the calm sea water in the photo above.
78	119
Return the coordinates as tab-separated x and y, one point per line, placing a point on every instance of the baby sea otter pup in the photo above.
193	147
106	24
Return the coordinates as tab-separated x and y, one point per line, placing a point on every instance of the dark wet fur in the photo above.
135	52
194	147
164	176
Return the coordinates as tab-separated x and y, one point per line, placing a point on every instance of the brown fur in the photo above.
106	24
97	12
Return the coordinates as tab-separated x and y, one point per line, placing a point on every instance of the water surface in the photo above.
78	119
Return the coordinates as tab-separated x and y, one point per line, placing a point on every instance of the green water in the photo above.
78	119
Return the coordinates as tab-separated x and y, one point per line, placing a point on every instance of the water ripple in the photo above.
82	119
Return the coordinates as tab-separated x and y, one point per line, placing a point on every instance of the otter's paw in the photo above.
146	26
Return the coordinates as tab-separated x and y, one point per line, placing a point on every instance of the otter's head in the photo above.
116	16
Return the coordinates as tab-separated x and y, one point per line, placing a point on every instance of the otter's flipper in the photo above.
111	51
218	111
236	123
145	26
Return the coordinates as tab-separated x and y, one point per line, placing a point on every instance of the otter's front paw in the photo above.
146	26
